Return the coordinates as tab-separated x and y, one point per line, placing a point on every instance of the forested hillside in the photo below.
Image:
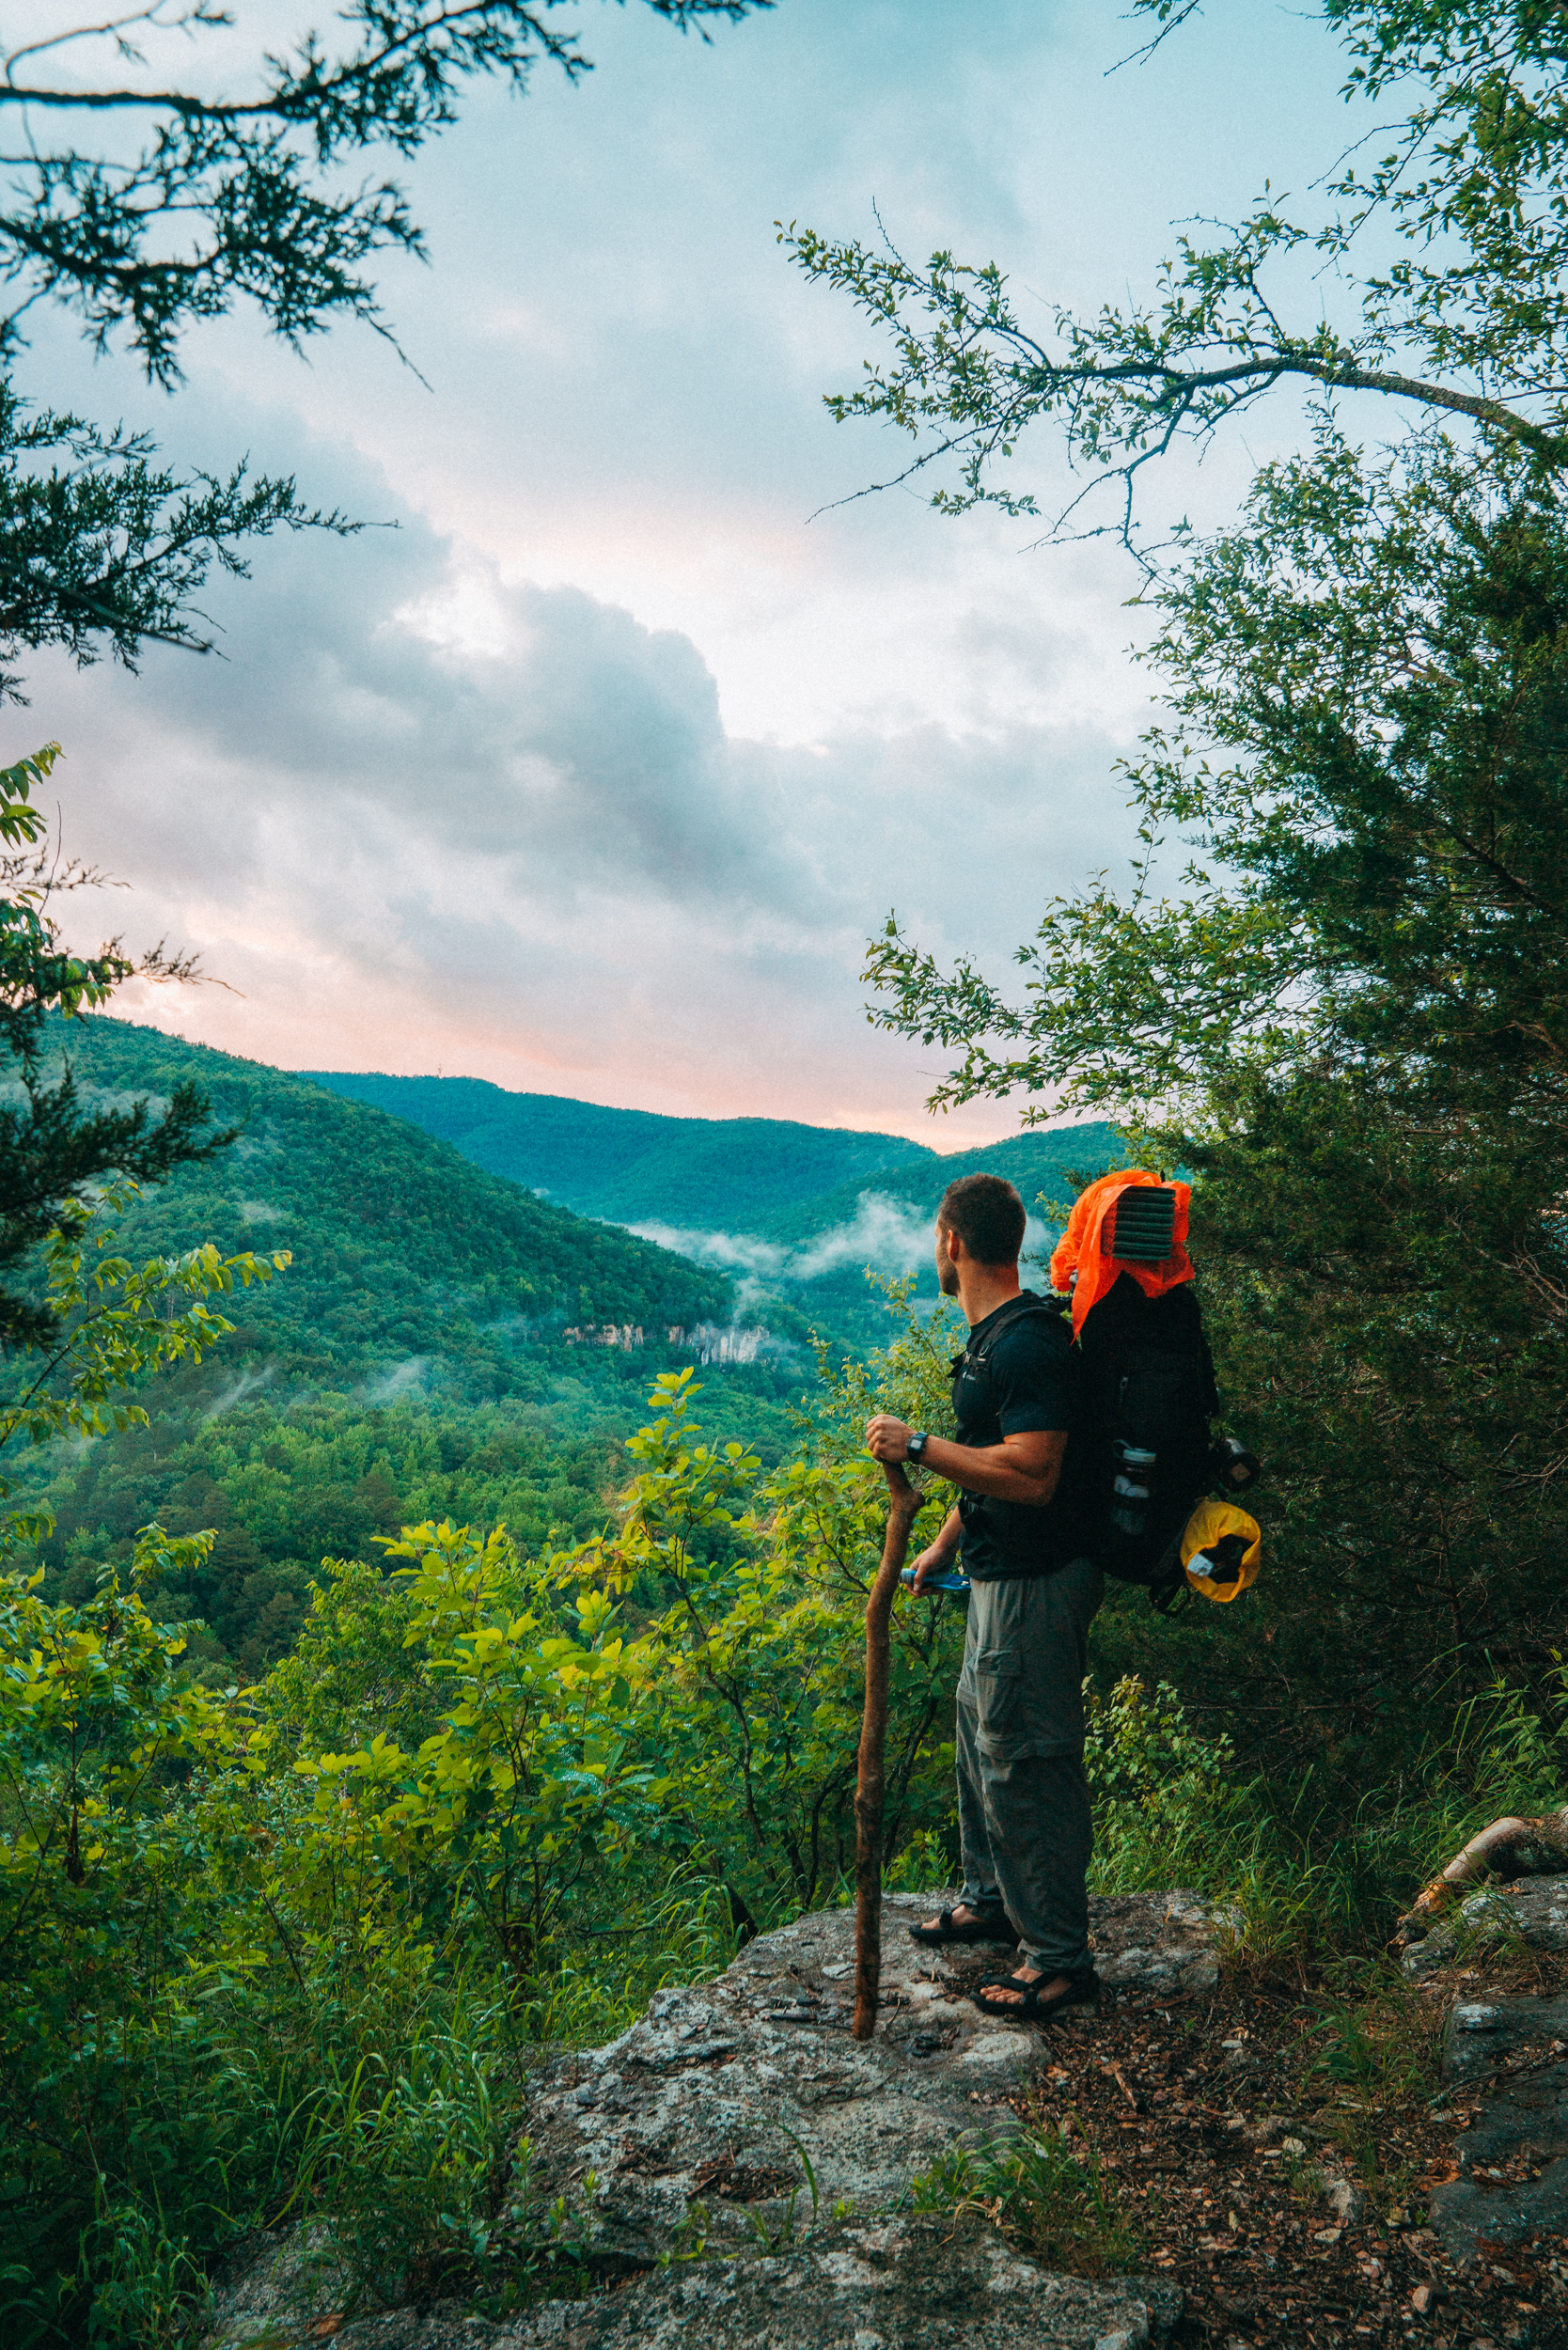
814	1254
800	1211
412	1361
1042	1163
631	1166
423	1355
402	1248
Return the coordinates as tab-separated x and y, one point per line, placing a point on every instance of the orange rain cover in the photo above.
1078	1249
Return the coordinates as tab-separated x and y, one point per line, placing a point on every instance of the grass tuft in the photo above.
1048	2193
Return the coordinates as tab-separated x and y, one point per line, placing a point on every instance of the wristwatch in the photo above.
915	1449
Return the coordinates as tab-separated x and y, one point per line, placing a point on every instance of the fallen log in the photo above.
1509	1848
904	1501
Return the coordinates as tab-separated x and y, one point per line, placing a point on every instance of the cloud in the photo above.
412	1376
239	1390
595	774
445	819
731	1252
263	1211
888	1235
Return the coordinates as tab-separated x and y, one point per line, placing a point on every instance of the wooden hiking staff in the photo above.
874	1751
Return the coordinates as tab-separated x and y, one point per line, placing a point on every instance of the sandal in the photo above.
986	1925
1083	1990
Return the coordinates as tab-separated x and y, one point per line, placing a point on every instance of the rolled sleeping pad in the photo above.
1142	1224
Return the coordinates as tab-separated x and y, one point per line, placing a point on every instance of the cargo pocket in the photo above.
999	1724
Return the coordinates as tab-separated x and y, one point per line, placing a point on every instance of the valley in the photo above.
796	1213
482	1287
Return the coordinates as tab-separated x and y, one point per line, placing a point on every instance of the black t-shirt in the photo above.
1030	1378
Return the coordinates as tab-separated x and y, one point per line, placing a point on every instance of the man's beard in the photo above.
946	1277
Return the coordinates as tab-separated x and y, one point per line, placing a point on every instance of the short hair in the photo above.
987	1213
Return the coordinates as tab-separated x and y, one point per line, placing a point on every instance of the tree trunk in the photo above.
873	1750
1511	1848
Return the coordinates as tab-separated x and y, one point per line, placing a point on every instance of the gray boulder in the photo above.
1513	2182
900	2285
1532	1910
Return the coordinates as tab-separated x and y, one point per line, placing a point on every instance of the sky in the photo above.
592	767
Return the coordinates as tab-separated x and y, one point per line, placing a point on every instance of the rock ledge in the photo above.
739	2136
708	2110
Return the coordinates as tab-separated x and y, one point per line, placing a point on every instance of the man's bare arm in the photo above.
1024	1468
938	1556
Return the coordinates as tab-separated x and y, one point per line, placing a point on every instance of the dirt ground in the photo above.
1225	2123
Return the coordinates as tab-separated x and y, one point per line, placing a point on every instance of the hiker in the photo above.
1023	1531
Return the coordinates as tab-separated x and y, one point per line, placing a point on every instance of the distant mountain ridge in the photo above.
798	1213
402	1248
444	1343
414	1239
631	1166
416	1360
773	1178
1039	1161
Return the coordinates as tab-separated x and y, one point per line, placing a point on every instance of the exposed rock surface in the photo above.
1532	1909
275	2290
1512	2054
907	2284
723	2093
1513	2182
706	2128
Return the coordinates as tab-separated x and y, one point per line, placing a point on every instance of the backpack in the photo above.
1149	1398
1150	1390
976	1357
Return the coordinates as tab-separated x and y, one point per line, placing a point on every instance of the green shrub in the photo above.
284	1955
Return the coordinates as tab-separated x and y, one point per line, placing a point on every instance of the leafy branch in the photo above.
145	206
224	197
1470	323
97	542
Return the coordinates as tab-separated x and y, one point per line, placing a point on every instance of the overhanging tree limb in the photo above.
211	199
98	542
111	235
1469	321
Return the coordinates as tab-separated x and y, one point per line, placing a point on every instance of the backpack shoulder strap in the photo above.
976	1357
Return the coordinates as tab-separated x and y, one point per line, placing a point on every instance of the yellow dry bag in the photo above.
1222	1549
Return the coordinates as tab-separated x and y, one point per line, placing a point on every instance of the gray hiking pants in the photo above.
1022	1800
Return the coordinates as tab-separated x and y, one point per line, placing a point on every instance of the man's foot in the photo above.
1028	1994
965	1923
1016	1988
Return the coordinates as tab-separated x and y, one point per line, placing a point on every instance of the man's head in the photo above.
984	1214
